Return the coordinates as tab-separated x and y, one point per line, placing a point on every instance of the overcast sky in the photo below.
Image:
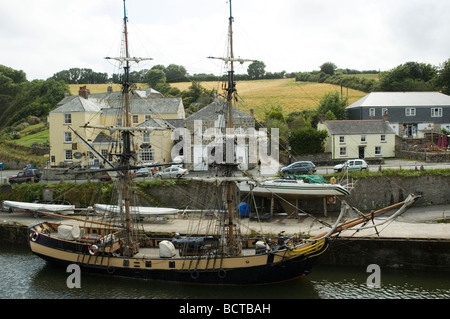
46	36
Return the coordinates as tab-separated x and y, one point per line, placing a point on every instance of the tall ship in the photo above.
222	256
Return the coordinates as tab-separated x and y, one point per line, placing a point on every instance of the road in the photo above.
321	170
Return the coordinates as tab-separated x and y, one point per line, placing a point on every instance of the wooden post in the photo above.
325	206
272	203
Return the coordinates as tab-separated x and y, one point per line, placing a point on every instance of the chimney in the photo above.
83	92
385	115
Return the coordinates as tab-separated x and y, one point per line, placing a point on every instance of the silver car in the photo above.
172	172
352	165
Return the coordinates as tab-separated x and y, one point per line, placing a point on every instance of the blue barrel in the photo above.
244	209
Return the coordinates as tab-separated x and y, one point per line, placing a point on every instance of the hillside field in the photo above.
261	95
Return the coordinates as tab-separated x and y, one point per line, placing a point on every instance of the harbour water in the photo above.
26	276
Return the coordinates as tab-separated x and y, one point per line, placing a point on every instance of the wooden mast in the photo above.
231	89
233	247
129	247
126	155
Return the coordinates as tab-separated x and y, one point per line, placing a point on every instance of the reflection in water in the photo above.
26	276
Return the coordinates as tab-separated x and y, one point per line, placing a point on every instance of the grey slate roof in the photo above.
78	104
146	106
402	99
358	127
212	111
110	103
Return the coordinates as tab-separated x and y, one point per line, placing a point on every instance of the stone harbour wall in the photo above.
378	192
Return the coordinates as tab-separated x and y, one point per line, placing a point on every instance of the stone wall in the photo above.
378	192
388	253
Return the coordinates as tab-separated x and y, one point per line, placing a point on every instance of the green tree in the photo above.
176	73
256	70
307	141
411	76
443	78
36	98
275	112
328	68
196	97
335	104
154	77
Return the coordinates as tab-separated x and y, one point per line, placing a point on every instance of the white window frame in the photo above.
410	111
67	118
67	137
343	151
342	139
146	155
68	155
372	112
378	151
436	112
363	139
135	118
145	137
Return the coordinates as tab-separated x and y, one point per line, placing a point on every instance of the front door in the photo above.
361	151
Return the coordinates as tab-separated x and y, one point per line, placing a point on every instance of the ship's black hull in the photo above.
269	272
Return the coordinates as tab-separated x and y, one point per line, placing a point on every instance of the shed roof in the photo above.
402	99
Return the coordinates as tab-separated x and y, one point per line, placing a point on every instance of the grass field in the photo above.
290	95
261	95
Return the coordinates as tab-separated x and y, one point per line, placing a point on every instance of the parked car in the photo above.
172	172
142	172
302	167
105	178
26	176
352	165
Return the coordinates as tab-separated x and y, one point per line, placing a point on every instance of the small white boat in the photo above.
38	207
296	188
141	210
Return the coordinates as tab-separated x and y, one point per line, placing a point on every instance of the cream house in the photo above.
359	139
77	120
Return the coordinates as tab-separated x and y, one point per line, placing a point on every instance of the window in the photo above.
410	111
377	150
342	151
436	112
341	139
146	138
148	117
119	121
372	112
67	137
146	155
68	155
135	119
363	139
104	152
68	118
383	138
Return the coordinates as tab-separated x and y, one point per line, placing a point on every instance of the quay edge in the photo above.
402	253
